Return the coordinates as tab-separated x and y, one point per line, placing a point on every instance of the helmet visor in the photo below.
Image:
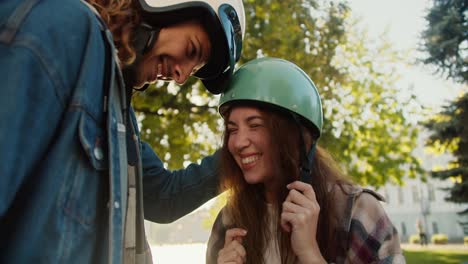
226	50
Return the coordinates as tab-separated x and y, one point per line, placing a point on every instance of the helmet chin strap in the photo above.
307	163
307	157
144	40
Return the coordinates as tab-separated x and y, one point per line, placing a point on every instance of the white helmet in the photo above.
224	20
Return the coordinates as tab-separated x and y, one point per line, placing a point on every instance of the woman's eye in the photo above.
231	130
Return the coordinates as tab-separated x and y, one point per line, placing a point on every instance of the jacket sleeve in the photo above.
372	237
169	195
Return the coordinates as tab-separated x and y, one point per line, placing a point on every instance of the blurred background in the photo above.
393	79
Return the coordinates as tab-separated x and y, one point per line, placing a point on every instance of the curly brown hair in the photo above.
121	16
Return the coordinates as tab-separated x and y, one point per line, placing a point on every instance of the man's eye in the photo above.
193	51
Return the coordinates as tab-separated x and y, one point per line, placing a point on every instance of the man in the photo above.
72	164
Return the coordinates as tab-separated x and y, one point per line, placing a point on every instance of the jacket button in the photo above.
116	205
98	153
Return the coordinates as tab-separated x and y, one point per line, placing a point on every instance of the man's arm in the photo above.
169	195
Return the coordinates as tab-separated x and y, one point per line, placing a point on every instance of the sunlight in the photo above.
178	253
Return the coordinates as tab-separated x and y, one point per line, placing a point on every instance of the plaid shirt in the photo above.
371	236
366	232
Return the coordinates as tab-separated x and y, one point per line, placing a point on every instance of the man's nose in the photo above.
181	73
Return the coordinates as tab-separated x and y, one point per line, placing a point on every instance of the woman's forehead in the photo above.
244	111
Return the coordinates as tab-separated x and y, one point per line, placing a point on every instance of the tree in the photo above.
366	124
178	122
450	134
445	41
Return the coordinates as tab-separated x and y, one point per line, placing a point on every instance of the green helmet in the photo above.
277	82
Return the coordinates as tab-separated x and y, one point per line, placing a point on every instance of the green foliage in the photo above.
177	121
450	133
439	239
465	240
446	36
214	210
366	127
368	123
445	40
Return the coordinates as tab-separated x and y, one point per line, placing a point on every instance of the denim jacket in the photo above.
69	143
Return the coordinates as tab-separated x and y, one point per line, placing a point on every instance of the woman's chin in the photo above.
251	180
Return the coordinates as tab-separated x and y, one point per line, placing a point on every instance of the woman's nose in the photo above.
242	141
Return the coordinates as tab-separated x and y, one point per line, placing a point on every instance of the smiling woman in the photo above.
288	201
249	144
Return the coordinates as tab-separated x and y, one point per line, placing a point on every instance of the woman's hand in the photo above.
299	216
233	251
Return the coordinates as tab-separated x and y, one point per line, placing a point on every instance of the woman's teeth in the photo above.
249	159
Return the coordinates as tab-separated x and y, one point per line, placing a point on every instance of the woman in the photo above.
288	201
74	192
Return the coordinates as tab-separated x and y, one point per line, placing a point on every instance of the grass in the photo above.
435	256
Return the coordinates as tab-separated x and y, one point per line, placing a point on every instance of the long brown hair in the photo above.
247	207
121	16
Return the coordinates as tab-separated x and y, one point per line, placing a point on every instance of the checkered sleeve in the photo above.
372	236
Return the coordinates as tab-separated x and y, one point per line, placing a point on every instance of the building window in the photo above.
403	229
430	192
435	228
401	197
415	191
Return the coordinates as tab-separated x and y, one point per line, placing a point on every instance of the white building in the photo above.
425	201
